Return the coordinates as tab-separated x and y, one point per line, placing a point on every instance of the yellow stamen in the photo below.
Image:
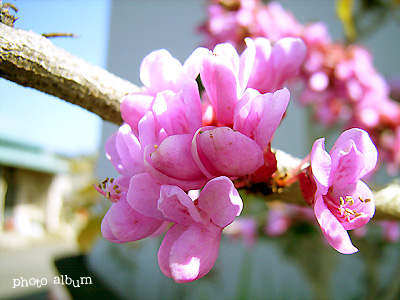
349	211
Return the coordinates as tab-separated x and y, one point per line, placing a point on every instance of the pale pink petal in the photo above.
223	151
243	110
258	116
133	107
321	165
192	103
191	66
164	251
332	229
170	178
112	154
143	195
177	206
123	224
221	201
173	157
346	165
271	118
159	71
128	158
228	53
364	144
192	253
150	131
287	56
246	62
169	110
220	83
261	77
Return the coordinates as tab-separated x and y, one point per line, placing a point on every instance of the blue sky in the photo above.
36	118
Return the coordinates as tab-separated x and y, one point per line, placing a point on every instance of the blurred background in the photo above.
51	153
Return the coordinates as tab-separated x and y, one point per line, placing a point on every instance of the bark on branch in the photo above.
31	60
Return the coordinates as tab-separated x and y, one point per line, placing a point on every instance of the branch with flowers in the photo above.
197	137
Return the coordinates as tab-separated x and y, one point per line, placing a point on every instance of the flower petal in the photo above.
160	172
220	83
223	151
133	108
363	144
332	229
321	165
192	253
173	233
123	224
177	206
287	56
159	71
364	210
124	151
143	194
221	201
347	164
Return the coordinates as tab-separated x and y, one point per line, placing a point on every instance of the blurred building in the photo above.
36	185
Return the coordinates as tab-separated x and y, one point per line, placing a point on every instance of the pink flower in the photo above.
159	71
258	115
342	201
190	247
124	151
274	65
225	75
122	223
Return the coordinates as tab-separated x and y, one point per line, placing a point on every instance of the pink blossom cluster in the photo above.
339	82
183	144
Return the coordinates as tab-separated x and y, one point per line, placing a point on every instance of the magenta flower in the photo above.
190	247
342	201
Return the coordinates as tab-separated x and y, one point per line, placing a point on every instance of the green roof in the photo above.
19	154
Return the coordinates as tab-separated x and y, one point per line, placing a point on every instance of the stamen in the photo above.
361	199
367	200
109	190
350	200
341	201
349	211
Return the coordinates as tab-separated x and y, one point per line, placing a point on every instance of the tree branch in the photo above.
31	60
